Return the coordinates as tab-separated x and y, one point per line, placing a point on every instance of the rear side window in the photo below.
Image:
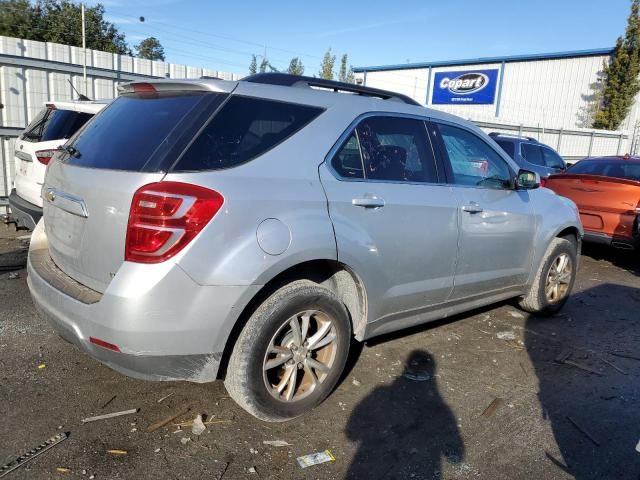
608	168
396	149
54	124
532	154
508	147
552	159
126	134
348	161
242	130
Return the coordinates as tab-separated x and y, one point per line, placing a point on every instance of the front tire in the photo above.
554	280
291	353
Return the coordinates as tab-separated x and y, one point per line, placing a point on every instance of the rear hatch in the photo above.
90	185
33	150
595	195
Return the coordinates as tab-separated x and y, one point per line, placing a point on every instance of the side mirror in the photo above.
527	180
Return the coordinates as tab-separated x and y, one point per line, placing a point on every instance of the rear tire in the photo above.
278	371
554	280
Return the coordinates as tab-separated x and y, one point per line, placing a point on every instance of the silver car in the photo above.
252	230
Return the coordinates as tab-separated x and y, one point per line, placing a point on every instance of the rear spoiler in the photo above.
158	86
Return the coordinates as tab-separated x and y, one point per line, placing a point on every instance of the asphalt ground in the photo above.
493	394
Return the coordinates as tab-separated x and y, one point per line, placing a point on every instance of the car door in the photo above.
497	224
394	224
534	158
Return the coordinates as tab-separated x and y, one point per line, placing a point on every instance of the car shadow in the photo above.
405	430
588	387
628	260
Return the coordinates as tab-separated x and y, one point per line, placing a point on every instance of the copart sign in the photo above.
468	86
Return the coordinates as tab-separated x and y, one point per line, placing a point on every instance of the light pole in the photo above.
84	50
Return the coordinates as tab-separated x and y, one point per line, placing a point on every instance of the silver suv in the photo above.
251	230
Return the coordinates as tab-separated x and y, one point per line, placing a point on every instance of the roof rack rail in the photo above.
500	134
286	80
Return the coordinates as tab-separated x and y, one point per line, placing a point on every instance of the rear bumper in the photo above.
170	328
624	243
25	214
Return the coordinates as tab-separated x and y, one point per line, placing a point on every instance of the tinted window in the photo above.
348	162
532	154
54	124
127	133
244	129
608	168
473	161
396	149
508	147
552	159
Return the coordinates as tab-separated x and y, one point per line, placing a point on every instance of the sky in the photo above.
223	35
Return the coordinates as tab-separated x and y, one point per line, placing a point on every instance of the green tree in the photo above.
326	68
264	64
253	66
295	67
621	74
60	21
151	49
346	70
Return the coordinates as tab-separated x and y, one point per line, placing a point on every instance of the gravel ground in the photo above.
486	399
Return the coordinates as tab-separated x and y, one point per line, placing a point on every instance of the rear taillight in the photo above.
44	156
165	217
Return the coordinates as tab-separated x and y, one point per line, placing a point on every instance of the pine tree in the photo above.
295	67
326	68
264	64
346	70
253	66
621	75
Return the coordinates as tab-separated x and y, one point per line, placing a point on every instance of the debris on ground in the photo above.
277	443
356	382
638	447
185	440
14	276
165	397
492	407
564	359
152	428
506	335
63	470
34	452
583	431
114	451
253	450
624	355
198	426
315	458
516	314
252	470
109	401
110	415
41	366
190	423
417	376
615	367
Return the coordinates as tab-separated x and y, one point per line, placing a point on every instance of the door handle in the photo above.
472	207
368	202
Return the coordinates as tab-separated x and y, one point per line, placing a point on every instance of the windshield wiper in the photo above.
71	150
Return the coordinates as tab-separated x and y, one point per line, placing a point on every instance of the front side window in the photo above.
533	154
473	161
396	149
244	129
348	161
552	159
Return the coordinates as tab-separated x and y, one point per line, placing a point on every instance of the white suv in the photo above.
51	128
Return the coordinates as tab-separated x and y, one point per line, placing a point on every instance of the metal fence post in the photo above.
520	130
591	143
619	144
559	139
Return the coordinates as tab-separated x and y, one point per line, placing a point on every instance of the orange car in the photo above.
607	193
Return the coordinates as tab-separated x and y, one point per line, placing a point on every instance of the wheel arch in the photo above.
336	276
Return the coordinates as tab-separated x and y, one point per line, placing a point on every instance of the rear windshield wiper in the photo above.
71	150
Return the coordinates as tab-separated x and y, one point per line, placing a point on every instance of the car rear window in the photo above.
242	130
533	154
508	147
608	168
54	124
135	128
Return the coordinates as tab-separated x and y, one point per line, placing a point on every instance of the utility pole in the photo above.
84	50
